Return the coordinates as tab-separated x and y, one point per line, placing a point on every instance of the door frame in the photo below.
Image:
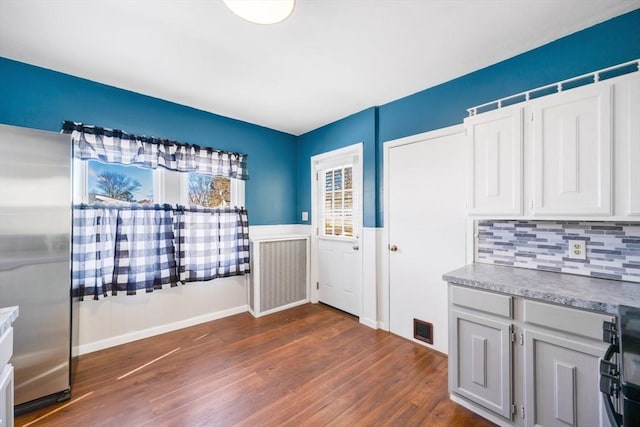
384	323
319	161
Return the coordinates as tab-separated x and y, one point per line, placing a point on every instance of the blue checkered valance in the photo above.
131	247
116	146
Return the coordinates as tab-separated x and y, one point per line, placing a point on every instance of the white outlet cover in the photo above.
577	249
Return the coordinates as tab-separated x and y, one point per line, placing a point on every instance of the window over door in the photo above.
337	208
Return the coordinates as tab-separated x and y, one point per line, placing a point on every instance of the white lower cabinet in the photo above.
6	378
483	361
561	380
519	362
6	397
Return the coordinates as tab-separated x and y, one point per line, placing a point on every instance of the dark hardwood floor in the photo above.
307	366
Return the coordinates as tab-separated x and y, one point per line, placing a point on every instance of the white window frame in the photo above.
81	181
353	155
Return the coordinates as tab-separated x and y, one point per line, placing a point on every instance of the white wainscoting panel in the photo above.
368	244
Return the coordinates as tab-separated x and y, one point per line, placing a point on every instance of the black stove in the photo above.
620	368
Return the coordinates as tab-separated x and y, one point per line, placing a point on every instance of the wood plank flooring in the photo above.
307	366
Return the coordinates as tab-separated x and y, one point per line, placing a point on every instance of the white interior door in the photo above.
338	223
427	224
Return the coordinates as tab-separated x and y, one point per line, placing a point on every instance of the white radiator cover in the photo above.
279	273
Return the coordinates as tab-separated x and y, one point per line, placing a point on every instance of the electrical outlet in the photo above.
577	249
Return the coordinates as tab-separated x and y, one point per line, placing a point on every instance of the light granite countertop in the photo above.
582	292
7	316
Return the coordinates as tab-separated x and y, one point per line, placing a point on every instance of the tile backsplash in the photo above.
613	248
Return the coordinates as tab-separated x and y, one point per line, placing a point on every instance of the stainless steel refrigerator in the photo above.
35	240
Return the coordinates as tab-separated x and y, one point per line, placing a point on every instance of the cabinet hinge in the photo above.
513	337
522	412
521	339
317	286
531	117
514	409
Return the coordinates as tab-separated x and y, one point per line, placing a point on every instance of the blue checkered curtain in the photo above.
93	250
123	247
145	257
212	243
116	146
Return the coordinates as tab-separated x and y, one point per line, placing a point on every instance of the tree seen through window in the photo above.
109	182
209	191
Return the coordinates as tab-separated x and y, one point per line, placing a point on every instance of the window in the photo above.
111	182
95	181
209	191
337	212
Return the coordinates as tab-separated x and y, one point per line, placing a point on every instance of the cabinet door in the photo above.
6	396
633	139
480	361
572	152
561	381
494	149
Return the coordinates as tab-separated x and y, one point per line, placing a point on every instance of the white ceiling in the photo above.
331	58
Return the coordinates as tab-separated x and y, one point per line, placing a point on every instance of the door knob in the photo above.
393	248
356	247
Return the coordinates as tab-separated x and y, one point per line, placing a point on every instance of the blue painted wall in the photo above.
41	99
280	188
609	43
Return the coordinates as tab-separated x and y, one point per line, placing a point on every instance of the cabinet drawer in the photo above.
488	302
564	319
6	347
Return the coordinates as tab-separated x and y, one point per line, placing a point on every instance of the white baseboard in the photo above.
275	310
382	326
368	322
157	330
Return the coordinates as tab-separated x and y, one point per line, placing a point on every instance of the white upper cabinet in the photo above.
494	147
572	146
631	135
571	154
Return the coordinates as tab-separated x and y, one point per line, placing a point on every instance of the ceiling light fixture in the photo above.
262	11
